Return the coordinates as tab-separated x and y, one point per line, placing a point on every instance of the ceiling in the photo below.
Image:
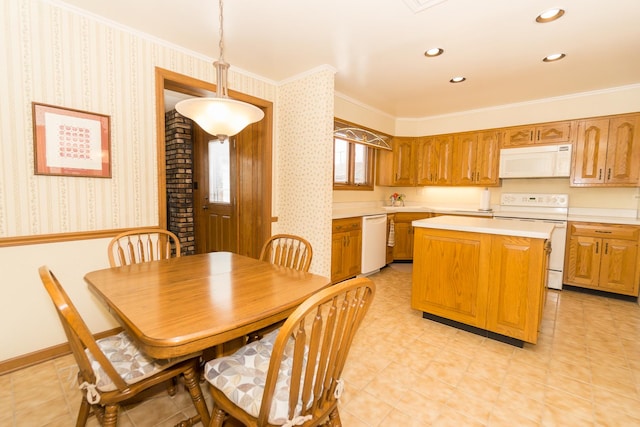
377	46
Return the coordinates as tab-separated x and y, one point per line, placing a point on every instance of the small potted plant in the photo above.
397	199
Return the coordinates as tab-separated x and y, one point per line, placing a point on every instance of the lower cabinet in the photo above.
346	248
403	248
492	282
603	257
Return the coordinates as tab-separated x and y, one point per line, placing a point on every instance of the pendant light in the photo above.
220	116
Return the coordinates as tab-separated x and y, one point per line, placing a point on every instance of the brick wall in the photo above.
179	166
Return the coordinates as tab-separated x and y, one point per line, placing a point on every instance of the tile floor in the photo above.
407	371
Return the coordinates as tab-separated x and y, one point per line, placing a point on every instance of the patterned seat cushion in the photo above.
242	376
130	362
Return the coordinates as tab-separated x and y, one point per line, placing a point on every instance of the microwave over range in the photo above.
545	161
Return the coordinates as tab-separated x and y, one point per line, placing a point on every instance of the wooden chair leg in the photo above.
217	417
172	386
334	419
110	416
83	413
192	381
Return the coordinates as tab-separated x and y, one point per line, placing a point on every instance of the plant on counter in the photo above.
397	197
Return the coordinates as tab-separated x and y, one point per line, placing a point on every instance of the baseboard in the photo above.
43	355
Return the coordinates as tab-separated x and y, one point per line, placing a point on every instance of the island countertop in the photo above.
537	230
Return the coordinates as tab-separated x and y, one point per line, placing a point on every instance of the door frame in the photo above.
170	80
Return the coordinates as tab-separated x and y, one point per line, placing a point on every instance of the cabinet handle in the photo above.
609	174
603	231
597	247
599	174
538	137
531	135
606	248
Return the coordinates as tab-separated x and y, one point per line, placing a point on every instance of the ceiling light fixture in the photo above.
458	79
434	51
553	57
220	116
549	15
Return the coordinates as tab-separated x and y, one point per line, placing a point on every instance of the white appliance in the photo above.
374	243
536	162
549	208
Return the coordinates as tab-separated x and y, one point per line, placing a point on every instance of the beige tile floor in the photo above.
407	371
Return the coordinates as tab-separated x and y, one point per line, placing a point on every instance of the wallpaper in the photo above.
304	162
58	56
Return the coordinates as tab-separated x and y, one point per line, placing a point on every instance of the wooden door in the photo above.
403	161
215	196
338	262
403	248
443	155
464	161
591	152
618	266
487	158
623	151
425	161
553	133
583	261
519	136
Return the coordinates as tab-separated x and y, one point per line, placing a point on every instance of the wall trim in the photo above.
40	239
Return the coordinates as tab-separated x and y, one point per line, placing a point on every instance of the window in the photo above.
219	172
352	165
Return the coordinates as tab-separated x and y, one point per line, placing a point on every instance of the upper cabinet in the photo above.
434	159
548	133
476	158
607	152
397	167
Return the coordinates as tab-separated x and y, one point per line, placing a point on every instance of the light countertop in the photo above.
534	230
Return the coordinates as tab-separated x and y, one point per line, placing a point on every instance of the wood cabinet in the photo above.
346	248
492	282
403	248
547	133
476	157
607	152
434	160
603	257
397	167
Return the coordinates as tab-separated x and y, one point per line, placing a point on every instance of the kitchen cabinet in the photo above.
476	158
603	257
547	133
607	152
396	167
492	282
403	248
434	160
346	248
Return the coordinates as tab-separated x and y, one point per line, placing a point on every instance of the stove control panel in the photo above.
535	200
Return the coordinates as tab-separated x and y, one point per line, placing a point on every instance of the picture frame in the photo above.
69	142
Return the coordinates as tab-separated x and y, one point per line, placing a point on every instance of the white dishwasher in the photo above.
374	243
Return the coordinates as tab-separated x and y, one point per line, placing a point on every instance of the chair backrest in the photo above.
78	334
287	250
318	336
142	245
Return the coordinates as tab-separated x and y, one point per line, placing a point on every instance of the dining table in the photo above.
180	306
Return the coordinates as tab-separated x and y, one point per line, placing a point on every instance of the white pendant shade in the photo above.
220	116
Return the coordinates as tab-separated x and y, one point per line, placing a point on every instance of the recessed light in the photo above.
549	15
457	79
553	57
434	51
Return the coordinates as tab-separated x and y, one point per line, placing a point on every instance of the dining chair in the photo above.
287	250
142	245
293	376
113	370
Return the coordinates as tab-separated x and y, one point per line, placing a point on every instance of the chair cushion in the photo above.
128	360
242	376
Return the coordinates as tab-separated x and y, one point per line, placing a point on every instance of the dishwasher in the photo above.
374	243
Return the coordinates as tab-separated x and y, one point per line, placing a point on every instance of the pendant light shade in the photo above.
220	116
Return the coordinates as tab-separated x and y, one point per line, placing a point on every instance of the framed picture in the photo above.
71	142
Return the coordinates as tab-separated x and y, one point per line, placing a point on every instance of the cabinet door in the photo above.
338	261
487	158
519	136
623	151
443	156
353	253
451	275
403	161
553	133
618	266
464	160
403	248
425	161
518	275
590	152
583	261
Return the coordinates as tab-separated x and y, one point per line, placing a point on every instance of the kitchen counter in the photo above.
535	230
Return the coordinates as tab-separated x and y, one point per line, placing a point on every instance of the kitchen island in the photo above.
484	275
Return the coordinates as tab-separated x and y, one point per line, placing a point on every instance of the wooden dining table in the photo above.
179	306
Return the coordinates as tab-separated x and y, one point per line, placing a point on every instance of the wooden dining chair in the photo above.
293	376
113	370
142	245
287	250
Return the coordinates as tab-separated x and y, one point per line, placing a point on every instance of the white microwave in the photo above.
536	162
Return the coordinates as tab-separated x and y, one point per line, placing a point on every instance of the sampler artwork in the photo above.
70	142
